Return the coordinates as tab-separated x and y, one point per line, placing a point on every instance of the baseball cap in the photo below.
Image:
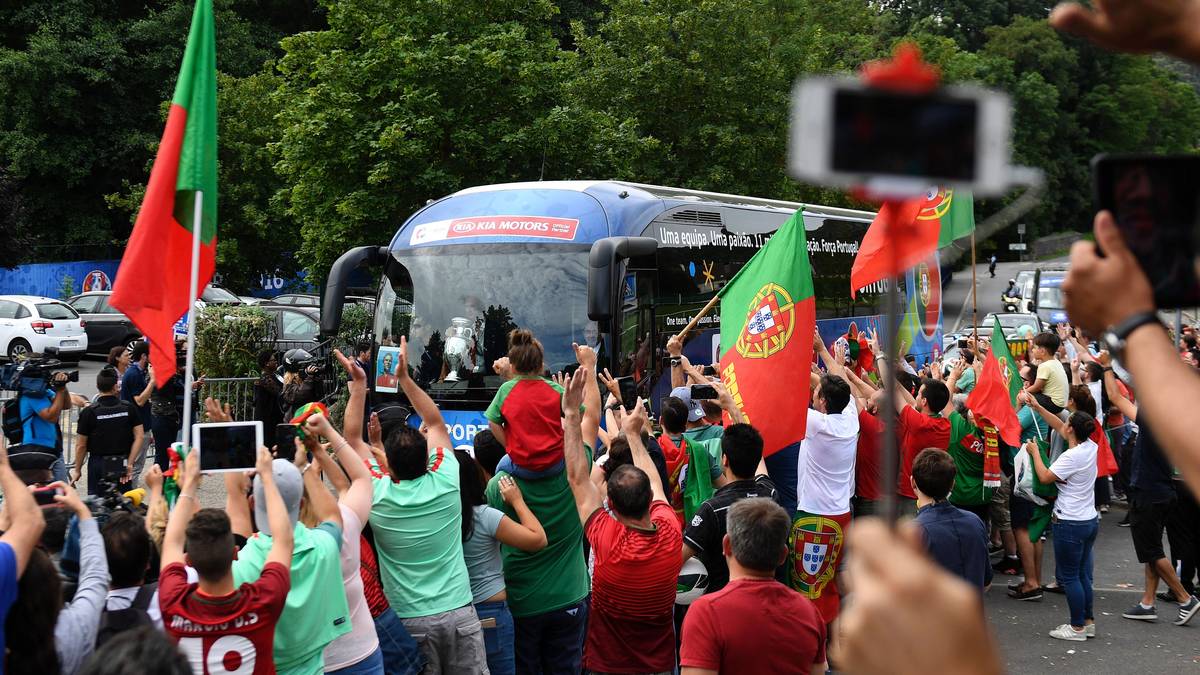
291	488
695	411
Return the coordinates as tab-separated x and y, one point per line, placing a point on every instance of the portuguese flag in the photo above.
995	395
152	286
906	232
767	319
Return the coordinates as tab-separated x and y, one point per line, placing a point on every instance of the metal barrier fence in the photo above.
238	392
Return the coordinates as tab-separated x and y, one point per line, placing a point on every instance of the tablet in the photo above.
227	446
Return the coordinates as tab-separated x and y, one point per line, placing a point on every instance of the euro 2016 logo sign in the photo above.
770	321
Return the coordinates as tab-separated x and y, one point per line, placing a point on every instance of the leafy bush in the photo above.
228	340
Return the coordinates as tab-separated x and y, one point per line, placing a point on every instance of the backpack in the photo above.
14	424
117	621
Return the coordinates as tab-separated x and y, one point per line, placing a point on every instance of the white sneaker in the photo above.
1090	630
1066	632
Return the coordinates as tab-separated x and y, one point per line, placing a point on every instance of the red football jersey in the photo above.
230	634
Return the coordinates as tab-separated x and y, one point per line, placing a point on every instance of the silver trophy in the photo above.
459	337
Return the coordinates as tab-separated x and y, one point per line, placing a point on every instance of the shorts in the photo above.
1000	514
1021	512
1044	401
1147	519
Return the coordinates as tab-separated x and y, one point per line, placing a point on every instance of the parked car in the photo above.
295	327
216	295
296	300
251	300
31	324
106	325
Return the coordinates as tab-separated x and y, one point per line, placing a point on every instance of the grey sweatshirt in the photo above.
78	622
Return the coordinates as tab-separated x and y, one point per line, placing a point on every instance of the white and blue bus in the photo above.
615	265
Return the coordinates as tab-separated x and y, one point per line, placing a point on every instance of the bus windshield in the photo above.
458	304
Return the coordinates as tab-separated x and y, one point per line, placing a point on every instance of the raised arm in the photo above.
1044	474
904	398
1119	400
62	400
725	400
437	435
632	426
24	514
357	495
1054	421
185	508
525	532
277	516
675	351
590	426
587	497
156	505
320	500
355	405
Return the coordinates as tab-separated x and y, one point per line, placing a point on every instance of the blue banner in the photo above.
59	280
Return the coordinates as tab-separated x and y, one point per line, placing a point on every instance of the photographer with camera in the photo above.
300	382
110	430
39	419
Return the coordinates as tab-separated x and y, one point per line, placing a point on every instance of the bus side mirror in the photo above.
604	266
334	297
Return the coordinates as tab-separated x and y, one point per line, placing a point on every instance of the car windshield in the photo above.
217	294
55	310
1011	322
1050	297
459	304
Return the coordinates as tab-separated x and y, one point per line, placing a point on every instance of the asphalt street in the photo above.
1121	645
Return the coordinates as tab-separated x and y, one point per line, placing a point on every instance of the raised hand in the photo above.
586	356
357	376
263	461
635	419
510	492
502	367
216	411
611	384
374	430
1138	26
402	360
674	346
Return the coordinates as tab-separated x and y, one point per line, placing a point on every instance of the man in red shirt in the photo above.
921	426
223	628
636	545
755	625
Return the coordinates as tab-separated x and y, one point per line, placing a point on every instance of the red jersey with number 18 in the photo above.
230	634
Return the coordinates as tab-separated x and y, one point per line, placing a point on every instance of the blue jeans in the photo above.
506	465
401	654
372	665
59	470
551	643
1073	542
498	639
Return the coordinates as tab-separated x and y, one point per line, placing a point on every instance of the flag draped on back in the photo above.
152	285
994	397
767	318
906	232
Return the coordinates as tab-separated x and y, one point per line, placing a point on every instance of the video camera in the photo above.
109	500
301	362
33	377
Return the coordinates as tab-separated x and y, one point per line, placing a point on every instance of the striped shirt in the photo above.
633	593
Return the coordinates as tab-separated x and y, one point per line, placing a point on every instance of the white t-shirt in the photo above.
1076	471
1094	390
825	468
362	640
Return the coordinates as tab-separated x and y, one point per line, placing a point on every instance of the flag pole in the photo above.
974	289
891	444
696	319
193	293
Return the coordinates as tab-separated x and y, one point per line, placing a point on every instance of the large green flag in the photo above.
767	318
1008	365
955	212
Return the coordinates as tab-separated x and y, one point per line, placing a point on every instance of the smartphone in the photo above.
227	446
628	388
1155	200
847	134
45	496
709	371
704	391
962	343
285	439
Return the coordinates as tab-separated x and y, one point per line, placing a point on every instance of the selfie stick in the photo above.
906	72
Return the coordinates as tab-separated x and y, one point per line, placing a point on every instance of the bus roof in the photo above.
582	212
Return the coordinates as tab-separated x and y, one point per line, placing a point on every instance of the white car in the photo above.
31	324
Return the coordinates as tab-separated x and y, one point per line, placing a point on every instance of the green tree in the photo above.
395	105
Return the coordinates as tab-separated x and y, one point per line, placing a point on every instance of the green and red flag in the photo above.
908	231
152	288
995	394
768	314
